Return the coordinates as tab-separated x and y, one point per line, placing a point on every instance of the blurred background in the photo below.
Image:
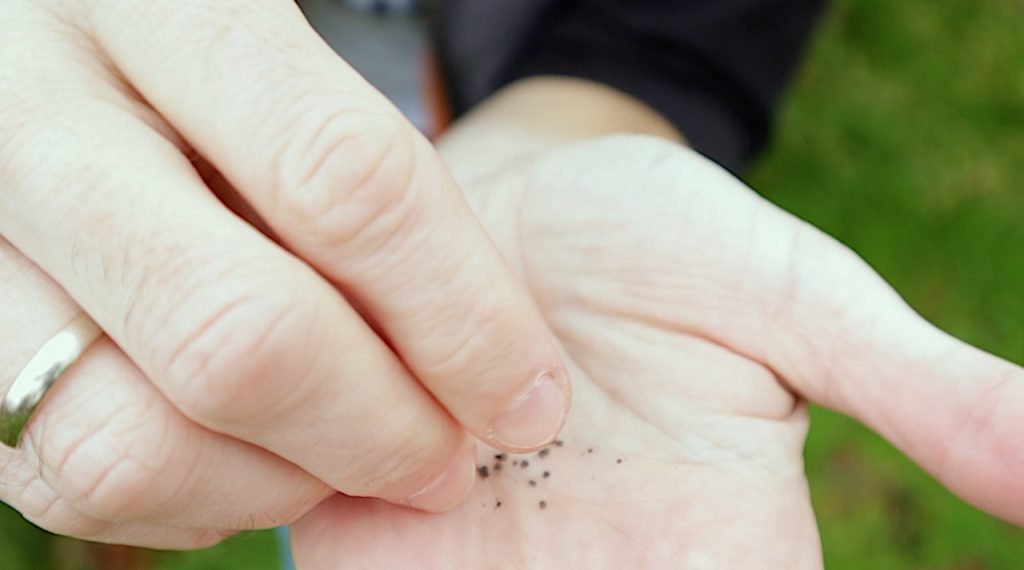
903	136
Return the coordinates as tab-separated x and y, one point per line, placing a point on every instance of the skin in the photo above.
698	319
297	299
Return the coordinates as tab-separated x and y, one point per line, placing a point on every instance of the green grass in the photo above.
903	136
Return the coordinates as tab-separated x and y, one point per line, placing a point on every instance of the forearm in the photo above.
536	114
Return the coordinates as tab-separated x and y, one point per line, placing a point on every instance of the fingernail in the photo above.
448	489
534	418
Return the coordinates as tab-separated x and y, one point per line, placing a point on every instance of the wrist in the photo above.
536	114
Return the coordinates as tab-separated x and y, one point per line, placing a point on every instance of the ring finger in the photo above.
111	447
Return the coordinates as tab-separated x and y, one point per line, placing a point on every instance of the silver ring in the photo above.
45	368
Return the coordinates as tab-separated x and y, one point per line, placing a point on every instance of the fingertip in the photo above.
534	417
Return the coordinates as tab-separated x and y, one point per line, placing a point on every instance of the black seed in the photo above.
500	457
497	466
618	461
533	483
483	472
514	463
547	474
524	464
497	505
558	443
543	504
544	452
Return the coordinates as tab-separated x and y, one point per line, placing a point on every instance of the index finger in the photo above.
352	188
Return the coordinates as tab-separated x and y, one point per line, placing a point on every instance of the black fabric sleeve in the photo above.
714	68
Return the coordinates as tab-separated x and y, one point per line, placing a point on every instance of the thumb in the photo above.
853	345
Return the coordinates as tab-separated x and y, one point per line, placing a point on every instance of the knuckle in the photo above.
44	507
26	145
483	339
347	176
390	470
236	365
117	470
36	501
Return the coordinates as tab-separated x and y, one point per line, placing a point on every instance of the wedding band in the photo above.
45	368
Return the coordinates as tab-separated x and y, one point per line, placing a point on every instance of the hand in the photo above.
697	319
238	387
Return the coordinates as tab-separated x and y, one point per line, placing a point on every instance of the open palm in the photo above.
696	318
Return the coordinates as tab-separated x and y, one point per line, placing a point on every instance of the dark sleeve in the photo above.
714	68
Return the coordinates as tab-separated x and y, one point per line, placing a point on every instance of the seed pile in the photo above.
522	463
485	471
